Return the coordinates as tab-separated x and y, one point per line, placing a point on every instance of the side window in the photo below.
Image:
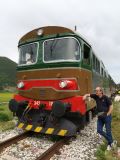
94	62
102	72
98	66
105	74
86	55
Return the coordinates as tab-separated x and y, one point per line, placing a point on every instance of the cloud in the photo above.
97	21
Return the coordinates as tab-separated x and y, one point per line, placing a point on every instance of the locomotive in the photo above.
57	66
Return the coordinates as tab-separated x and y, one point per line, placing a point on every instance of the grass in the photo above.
116	122
5	113
6	116
5	96
6	125
101	153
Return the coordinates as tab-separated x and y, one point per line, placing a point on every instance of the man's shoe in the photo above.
109	148
114	144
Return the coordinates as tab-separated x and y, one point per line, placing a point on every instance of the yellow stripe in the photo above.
20	125
49	131
38	129
28	127
62	132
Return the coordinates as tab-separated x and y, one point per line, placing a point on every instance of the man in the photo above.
104	110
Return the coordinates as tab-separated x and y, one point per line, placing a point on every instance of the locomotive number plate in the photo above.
36	103
39	102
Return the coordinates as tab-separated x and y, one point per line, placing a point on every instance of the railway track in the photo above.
38	150
13	140
53	149
46	154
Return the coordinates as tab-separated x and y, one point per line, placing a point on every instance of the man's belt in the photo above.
101	113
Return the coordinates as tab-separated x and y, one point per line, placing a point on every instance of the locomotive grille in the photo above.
42	92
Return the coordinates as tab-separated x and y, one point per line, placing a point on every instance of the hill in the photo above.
7	72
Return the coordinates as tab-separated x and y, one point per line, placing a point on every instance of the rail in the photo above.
13	140
53	149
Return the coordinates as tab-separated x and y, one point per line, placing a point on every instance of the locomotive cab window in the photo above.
61	49
102	72
28	54
97	65
86	55
94	62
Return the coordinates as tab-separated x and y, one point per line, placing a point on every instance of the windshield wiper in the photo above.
53	45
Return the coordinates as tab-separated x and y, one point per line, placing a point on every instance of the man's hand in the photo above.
85	96
110	110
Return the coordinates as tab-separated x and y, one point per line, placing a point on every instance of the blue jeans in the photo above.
106	120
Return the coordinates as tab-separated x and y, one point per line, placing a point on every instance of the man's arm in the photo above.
109	102
110	110
94	96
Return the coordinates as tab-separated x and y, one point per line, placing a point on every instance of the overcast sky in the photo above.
97	21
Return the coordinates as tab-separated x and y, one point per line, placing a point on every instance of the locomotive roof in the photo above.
49	30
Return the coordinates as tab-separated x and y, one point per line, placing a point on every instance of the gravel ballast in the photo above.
81	148
27	149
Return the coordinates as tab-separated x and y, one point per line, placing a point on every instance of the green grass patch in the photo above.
5	96
101	153
6	125
1	109
5	113
116	122
4	117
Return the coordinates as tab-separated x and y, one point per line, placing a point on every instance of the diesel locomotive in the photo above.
57	66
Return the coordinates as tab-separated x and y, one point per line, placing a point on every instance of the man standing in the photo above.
104	110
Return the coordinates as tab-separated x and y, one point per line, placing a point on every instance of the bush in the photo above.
100	153
1	88
1	109
4	117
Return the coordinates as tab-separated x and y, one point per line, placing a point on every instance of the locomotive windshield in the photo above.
61	49
28	54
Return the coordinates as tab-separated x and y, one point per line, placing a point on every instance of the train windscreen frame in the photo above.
28	54
61	49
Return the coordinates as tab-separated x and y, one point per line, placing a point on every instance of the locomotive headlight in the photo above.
63	84
20	85
40	32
